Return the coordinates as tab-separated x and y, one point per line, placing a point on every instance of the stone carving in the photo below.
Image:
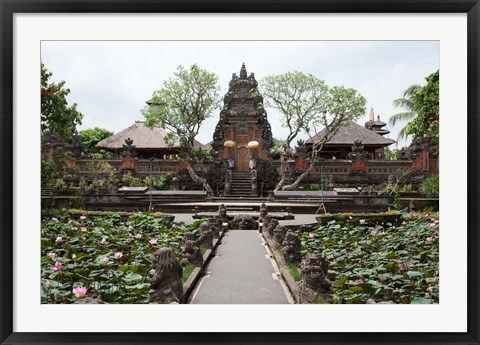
205	236
166	284
243	222
272	225
314	284
253	173
357	150
292	247
215	225
279	234
189	236
191	255
263	213
222	213
228	182
128	149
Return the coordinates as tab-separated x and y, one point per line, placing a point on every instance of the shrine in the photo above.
243	130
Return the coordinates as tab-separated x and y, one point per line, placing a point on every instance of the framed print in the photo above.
100	265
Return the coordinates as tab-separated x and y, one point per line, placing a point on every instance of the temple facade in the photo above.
243	130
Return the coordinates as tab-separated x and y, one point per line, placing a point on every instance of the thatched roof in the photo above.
143	138
350	132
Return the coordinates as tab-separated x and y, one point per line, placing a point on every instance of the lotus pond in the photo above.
109	255
383	262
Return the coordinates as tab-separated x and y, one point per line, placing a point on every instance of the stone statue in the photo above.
263	213
205	236
222	212
215	225
191	255
292	247
279	234
272	224
314	284
243	222
188	236
166	284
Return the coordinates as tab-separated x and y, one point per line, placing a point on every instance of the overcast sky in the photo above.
111	80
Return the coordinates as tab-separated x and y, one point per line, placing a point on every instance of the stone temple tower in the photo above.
243	119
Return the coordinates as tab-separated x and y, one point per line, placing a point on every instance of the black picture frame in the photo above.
10	7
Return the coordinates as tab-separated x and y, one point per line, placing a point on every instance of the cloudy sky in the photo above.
111	80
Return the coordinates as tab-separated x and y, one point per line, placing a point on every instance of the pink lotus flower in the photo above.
79	291
118	255
47	284
432	225
55	219
153	241
402	266
59	239
64	209
51	255
58	266
83	229
414	214
83	217
429	239
311	235
374	232
174	225
103	241
383	278
436	221
404	223
139	235
105	260
361	221
73	256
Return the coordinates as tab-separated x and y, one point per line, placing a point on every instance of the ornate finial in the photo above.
378	118
371	114
243	71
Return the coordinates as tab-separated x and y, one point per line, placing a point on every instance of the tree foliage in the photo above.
306	104
56	115
421	109
426	123
184	102
91	137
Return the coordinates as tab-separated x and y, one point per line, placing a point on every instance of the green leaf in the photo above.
130	277
414	274
341	281
420	300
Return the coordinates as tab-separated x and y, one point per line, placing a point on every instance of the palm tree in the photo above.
411	109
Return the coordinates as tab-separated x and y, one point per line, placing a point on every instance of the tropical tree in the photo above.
426	123
57	117
410	109
91	137
421	109
184	102
307	103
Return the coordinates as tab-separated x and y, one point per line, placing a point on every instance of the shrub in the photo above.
430	186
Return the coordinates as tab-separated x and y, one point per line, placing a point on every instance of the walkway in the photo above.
241	273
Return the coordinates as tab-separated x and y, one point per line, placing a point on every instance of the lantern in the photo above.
229	143
253	144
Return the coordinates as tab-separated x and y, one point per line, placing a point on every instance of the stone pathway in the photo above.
241	273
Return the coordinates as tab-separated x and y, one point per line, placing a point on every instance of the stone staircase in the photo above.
241	184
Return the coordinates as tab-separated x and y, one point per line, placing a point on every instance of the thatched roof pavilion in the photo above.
148	141
340	145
